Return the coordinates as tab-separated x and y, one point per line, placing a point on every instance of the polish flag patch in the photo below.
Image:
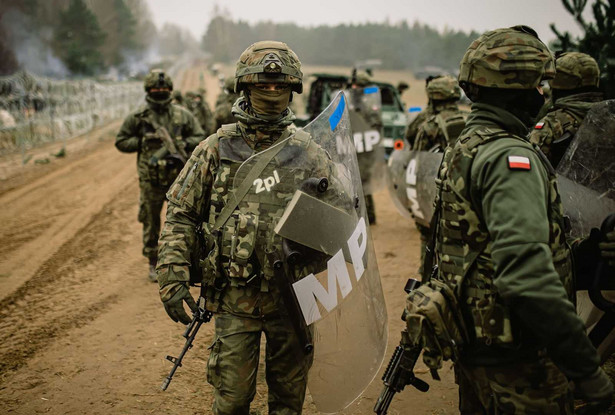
539	126
518	163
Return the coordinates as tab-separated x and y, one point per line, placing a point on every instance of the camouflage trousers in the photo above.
151	200
526	388
233	364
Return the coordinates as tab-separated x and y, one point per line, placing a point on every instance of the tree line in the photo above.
398	46
83	37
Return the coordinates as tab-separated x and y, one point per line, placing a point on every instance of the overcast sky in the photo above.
479	15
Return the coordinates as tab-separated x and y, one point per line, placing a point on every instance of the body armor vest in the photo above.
246	246
464	245
164	172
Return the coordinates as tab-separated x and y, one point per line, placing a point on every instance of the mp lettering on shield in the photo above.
308	289
366	141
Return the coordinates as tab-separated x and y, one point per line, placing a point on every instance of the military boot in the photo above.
152	269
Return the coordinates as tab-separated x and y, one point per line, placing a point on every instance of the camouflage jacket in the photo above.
413	127
501	233
441	128
564	118
138	134
237	262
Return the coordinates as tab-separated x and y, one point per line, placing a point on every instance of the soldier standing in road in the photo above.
225	102
446	121
440	128
163	135
195	102
500	243
237	272
413	127
575	90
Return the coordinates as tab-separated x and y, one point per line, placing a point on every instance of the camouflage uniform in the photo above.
501	247
575	83
138	134
196	103
224	104
238	275
439	129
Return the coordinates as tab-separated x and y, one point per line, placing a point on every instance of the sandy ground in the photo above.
82	331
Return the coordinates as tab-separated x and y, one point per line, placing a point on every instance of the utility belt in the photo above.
228	258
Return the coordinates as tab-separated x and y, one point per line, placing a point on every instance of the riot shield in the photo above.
587	186
309	193
364	107
412	183
587	170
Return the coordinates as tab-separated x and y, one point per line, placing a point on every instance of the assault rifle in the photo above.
400	370
169	149
200	316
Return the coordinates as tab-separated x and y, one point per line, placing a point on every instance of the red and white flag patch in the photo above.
518	163
539	126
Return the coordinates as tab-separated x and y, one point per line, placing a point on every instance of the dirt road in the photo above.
82	331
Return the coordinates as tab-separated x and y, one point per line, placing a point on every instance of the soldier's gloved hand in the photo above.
173	297
596	390
607	248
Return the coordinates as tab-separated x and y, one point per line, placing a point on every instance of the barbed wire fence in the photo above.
35	110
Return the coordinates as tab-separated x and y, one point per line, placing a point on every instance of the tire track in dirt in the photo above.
61	203
62	285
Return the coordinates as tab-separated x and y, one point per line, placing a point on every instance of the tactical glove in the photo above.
607	248
596	390
173	296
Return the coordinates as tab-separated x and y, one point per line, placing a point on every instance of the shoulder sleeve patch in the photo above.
518	163
539	126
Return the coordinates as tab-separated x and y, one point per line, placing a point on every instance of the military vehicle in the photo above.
323	88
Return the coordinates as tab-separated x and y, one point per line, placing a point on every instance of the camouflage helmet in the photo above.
575	70
510	58
268	61
362	79
443	88
157	78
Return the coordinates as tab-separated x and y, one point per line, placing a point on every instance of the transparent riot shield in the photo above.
364	107
412	182
587	170
307	209
586	179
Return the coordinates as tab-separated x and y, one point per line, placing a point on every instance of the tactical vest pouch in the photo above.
238	245
434	321
492	322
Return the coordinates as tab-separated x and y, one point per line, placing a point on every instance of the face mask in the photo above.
269	103
160	95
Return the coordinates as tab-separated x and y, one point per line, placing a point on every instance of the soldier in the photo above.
238	273
575	90
413	127
177	98
195	102
500	244
446	121
162	134
225	102
440	128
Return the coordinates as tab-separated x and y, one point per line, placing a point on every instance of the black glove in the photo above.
597	392
174	305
